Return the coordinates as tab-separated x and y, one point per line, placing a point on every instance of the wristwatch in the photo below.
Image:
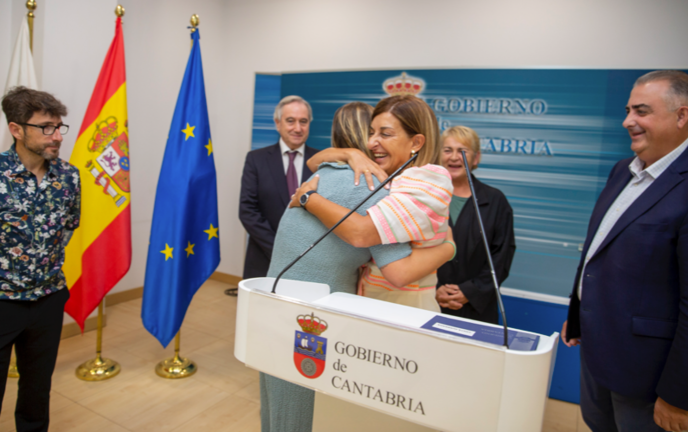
304	198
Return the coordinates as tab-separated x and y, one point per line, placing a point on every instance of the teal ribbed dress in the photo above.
287	407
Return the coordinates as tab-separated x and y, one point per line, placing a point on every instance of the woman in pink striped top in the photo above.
417	208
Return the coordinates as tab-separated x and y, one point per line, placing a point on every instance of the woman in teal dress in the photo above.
287	407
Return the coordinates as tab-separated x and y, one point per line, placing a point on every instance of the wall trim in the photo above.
547	298
226	278
123	296
72	329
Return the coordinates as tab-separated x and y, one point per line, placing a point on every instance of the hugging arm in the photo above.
357	230
356	159
420	263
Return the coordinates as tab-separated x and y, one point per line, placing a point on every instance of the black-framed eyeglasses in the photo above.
50	129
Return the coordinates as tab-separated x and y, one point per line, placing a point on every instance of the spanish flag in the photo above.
99	253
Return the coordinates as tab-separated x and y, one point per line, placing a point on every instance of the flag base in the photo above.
98	369
176	367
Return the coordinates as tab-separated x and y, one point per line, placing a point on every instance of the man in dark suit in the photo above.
629	306
271	175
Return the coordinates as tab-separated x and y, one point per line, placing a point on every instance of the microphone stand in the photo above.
487	248
380	186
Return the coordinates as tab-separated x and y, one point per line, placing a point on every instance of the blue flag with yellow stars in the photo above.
184	245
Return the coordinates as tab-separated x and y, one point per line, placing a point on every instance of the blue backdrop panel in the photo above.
267	96
549	139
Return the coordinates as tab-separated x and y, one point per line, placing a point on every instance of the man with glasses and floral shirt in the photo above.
39	210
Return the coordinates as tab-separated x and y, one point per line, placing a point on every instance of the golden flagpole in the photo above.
178	367
31	6
100	368
12	371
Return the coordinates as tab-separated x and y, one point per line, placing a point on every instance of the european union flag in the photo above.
184	245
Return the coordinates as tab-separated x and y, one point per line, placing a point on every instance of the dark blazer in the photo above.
263	200
470	269
633	317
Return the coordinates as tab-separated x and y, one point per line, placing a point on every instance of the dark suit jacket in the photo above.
470	269
264	197
633	317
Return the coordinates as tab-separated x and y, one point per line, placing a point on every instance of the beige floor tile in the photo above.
58	401
8	404
76	418
219	324
66	383
560	416
226	376
7	424
155	404
230	414
250	392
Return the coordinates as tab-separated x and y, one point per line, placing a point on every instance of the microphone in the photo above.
380	186
487	248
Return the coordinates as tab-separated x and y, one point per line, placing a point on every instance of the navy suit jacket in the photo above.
263	200
633	317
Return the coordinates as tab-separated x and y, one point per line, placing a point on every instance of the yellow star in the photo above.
209	147
168	251
189	249
212	232
189	131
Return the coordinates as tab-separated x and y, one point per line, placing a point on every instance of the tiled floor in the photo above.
222	396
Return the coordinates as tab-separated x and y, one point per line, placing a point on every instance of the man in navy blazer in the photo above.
629	306
264	183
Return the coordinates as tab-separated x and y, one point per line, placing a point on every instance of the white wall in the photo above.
239	38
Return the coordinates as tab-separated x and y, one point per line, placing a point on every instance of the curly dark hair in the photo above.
21	103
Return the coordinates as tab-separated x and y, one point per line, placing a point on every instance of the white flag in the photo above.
22	73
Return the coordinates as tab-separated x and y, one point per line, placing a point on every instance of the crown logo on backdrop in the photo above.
105	133
403	85
311	324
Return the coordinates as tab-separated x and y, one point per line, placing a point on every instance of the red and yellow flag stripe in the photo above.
99	253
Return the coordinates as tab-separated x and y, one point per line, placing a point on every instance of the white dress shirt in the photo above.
298	159
641	179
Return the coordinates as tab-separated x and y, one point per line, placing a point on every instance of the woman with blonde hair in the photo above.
417	207
286	406
465	287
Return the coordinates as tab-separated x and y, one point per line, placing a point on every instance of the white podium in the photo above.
377	356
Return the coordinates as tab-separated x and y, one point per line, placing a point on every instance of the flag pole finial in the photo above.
194	22
31	6
119	11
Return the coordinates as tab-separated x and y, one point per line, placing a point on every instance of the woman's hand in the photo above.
361	164
450	296
356	159
310	185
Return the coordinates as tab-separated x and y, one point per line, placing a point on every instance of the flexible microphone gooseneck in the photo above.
487	248
380	186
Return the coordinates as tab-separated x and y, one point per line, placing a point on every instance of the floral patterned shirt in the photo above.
36	224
